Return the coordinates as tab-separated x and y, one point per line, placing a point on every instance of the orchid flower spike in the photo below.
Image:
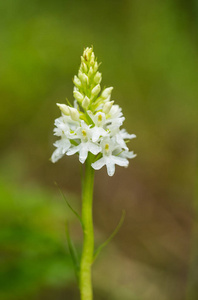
93	123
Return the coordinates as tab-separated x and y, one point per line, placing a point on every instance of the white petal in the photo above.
120	161
83	153
73	150
126	135
97	132
98	164
63	144
93	148
121	142
110	168
56	155
128	154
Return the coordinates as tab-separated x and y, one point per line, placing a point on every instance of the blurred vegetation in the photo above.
149	53
33	250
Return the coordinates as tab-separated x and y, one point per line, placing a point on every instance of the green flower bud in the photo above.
64	108
90	73
77	81
98	77
83	77
107	92
92	60
86	102
87	53
95	67
84	67
96	90
107	106
74	113
78	96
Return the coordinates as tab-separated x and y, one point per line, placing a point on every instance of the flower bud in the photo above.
87	53
64	108
98	77
74	113
83	77
107	92
77	81
82	59
84	67
107	106
95	67
78	96
90	73
92	59
86	102
96	90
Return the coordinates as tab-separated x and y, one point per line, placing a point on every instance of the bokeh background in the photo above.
149	53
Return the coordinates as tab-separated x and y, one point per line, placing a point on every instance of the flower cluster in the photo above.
93	123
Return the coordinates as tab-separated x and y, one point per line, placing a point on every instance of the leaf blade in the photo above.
69	205
98	250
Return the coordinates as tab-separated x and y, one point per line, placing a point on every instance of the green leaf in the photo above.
68	204
73	252
97	252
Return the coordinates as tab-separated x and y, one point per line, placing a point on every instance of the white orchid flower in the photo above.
84	133
109	159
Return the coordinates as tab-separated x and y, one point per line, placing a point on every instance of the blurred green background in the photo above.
149	53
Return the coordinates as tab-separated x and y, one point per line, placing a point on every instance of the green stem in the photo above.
88	233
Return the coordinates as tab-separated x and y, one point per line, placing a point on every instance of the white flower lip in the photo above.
94	122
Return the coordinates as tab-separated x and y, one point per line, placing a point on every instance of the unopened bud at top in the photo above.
78	96
96	90
87	53
107	92
107	106
64	108
86	102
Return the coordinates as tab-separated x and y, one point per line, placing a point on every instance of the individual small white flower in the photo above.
120	136
65	126
99	121
61	127
62	146
84	133
115	116
109	159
